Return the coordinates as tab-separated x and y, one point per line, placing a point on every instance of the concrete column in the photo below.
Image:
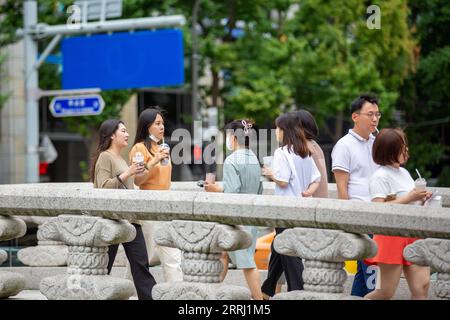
12	116
436	254
202	244
323	253
87	239
11	283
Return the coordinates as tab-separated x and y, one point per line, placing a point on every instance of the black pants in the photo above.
137	255
279	263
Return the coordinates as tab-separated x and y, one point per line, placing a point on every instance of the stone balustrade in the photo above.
3	256
10	283
47	253
202	244
325	232
88	239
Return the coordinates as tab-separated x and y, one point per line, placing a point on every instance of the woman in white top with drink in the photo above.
296	175
392	183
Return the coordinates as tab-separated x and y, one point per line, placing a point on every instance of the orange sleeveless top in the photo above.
160	176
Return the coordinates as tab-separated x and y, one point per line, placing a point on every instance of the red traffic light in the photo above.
43	167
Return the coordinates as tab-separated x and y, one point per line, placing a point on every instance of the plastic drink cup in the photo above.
138	158
267	161
420	184
210	178
165	161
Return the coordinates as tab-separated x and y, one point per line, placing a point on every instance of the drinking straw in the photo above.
418	173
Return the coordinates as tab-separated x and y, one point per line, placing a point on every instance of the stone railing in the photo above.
325	233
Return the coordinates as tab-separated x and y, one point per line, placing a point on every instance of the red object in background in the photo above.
197	152
43	167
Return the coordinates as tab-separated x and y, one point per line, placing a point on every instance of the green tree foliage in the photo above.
337	56
425	95
318	57
9	19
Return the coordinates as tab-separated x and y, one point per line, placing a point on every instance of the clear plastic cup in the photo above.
267	161
138	158
165	161
210	178
420	184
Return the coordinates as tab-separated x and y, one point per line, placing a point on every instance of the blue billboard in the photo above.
123	60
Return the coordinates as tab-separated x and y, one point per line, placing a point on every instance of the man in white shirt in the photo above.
353	165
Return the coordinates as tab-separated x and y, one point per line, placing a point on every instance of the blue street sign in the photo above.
71	106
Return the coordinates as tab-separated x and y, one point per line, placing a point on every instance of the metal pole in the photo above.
43	30
195	58
48	50
49	93
197	125
30	18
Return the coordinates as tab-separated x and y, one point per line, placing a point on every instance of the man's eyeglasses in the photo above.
371	114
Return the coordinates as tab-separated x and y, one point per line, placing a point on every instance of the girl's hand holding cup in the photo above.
420	188
267	172
138	159
428	196
417	194
135	168
165	149
160	155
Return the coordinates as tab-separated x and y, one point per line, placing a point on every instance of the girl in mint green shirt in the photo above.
241	174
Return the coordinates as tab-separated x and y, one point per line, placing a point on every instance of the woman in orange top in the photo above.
157	176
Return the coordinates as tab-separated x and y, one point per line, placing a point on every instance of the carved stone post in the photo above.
323	253
436	254
47	253
88	239
202	244
11	283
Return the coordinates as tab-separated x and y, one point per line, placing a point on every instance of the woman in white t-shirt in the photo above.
392	183
296	175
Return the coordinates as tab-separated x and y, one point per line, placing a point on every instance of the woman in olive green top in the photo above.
110	171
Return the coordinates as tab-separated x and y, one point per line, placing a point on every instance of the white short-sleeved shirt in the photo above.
388	180
298	172
353	154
